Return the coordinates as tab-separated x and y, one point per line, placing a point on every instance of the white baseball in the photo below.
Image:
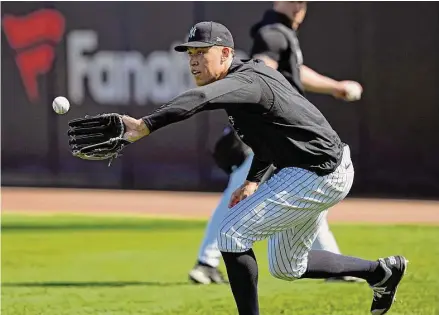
61	105
353	91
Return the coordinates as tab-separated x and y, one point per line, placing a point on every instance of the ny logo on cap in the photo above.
192	32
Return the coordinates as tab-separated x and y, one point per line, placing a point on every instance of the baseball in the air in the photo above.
353	91
61	105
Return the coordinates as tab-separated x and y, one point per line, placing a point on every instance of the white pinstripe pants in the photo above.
288	209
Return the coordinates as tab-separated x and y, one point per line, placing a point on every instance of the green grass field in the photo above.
117	266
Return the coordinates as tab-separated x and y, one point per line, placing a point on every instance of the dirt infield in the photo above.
196	205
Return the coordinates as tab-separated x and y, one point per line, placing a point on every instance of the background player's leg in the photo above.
205	271
325	240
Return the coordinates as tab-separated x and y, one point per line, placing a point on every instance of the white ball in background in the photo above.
61	105
354	91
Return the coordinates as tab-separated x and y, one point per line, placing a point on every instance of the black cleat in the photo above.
204	274
384	292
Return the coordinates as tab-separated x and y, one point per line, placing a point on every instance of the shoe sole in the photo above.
345	280
405	263
199	277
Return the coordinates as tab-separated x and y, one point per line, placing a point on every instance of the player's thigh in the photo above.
264	213
254	218
288	250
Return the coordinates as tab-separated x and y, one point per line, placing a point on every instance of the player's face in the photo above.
300	16
206	64
296	10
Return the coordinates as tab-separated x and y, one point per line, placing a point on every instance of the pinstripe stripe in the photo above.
288	209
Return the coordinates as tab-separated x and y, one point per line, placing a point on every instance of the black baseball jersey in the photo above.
274	37
281	126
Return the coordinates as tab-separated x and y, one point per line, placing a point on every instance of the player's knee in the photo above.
288	272
225	239
231	241
283	275
222	241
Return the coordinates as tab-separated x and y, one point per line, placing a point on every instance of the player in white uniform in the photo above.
270	44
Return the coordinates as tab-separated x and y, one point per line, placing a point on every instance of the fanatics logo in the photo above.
33	37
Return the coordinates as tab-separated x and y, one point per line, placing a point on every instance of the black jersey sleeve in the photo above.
230	91
257	169
269	42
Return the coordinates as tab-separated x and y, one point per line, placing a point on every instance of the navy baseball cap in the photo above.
207	34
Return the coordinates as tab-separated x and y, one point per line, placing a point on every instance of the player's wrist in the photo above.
142	128
337	89
135	129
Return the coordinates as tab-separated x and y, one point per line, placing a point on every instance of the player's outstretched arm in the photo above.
220	94
108	134
317	83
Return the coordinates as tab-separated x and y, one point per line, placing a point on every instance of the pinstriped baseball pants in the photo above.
287	210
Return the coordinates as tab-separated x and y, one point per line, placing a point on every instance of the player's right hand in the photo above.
247	189
135	128
348	91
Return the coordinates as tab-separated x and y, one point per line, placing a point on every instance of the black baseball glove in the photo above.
97	137
230	152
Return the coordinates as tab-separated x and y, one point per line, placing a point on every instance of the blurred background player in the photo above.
235	158
275	42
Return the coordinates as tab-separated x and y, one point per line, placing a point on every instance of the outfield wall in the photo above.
116	56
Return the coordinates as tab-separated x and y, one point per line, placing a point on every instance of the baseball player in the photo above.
314	171
276	43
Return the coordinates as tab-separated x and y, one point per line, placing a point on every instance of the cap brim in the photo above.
185	46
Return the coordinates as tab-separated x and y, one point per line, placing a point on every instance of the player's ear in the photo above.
225	53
